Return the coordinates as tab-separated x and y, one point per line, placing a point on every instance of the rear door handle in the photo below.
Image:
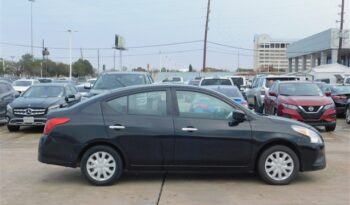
116	127
189	129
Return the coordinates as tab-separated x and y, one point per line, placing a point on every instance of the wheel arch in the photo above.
103	143
281	142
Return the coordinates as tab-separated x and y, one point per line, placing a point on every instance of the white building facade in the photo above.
270	53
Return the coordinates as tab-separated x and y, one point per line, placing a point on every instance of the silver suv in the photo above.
255	93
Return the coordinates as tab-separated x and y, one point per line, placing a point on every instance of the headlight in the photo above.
329	106
9	108
314	137
292	107
54	107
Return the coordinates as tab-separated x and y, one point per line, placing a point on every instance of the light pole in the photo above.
70	51
31	25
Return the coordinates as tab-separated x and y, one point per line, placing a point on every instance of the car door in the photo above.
141	125
6	96
203	136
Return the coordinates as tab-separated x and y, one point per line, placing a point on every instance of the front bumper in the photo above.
313	158
19	121
326	118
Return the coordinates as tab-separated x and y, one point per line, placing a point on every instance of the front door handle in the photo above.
189	129
116	127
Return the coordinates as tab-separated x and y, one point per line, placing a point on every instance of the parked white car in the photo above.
207	81
22	85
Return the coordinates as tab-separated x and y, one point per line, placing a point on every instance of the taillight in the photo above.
52	123
339	97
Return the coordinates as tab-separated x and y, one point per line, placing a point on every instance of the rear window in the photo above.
206	82
237	81
231	93
270	81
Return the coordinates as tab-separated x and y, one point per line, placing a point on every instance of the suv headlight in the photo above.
9	108
54	107
292	107
329	106
314	137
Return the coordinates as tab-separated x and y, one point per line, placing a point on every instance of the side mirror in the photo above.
16	95
70	98
237	117
272	94
87	85
328	93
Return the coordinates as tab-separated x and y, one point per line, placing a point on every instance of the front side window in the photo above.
120	105
198	105
149	103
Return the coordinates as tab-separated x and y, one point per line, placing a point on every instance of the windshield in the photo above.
232	93
299	89
106	82
206	82
22	83
44	92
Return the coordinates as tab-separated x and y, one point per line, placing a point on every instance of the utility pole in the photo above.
341	31
98	61
205	38
238	59
120	60
70	52
31	27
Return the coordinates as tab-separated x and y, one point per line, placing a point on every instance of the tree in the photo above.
163	70
28	66
190	68
82	68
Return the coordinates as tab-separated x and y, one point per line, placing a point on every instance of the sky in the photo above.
153	22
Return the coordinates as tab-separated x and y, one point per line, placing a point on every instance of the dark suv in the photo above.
7	95
114	80
31	108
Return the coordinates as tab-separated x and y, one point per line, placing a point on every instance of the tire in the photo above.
347	115
99	176
286	169
13	128
330	128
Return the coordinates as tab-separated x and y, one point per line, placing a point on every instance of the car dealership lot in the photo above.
24	180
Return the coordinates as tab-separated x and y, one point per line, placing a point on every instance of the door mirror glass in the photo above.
237	117
87	85
272	94
70	98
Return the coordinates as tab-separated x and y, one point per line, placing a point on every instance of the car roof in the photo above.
296	81
51	84
221	87
216	77
116	72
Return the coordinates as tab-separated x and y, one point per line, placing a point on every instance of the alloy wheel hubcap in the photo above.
101	166
279	166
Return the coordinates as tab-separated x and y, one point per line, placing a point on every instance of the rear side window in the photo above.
148	103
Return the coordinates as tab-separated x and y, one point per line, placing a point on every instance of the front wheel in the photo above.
330	128
347	115
101	166
278	165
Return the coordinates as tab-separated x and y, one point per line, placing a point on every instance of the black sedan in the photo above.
31	108
340	95
176	128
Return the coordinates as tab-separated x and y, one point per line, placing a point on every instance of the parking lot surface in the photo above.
24	180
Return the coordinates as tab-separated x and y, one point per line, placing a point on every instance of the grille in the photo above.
313	108
29	111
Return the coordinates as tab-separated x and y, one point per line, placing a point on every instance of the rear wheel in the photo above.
347	115
278	165
330	128
13	128
101	166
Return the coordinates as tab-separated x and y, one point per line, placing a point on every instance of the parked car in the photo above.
45	80
340	95
7	95
347	80
32	107
230	91
173	80
256	92
302	101
195	81
239	81
347	114
65	81
23	84
207	81
176	127
114	80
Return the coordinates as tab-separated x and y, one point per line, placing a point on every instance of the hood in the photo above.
94	92
285	121
306	100
35	102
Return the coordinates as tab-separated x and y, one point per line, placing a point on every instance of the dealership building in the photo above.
318	49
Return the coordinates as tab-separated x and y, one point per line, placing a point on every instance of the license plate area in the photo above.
28	120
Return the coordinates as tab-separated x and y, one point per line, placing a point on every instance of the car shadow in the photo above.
31	129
